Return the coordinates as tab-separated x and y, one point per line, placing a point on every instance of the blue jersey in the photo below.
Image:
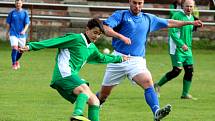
17	21
135	27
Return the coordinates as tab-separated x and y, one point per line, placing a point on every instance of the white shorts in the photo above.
116	72
14	41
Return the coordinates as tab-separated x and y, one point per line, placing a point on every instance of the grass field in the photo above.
25	94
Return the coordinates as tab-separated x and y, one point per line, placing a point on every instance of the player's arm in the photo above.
8	22
174	34
7	31
111	33
58	42
25	29
176	23
98	57
113	21
26	22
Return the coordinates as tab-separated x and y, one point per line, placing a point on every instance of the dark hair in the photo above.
95	22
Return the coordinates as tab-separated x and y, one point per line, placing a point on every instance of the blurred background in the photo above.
51	18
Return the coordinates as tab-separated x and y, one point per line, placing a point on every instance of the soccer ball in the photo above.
106	51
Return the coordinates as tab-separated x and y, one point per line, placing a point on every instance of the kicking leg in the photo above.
145	81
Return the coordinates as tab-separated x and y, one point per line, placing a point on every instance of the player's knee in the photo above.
82	89
174	73
93	100
15	47
188	72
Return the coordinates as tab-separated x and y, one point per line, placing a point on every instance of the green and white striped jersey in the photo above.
180	36
73	52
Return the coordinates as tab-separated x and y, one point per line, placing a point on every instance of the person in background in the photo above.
180	50
17	24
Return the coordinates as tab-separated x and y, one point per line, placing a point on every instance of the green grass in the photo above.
25	94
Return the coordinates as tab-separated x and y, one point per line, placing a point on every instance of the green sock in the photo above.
80	104
186	87
93	112
163	80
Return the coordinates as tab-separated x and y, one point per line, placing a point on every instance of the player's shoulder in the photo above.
177	14
120	12
12	10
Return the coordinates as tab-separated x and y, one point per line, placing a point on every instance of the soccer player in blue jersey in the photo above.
16	27
129	29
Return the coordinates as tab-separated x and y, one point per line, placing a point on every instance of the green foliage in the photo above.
204	44
26	96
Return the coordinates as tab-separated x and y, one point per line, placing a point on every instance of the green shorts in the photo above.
66	86
180	61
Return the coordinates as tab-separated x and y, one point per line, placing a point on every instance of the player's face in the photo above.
93	34
136	6
188	7
18	4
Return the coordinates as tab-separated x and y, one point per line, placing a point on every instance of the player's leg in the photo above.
176	70
85	95
187	80
93	109
14	45
144	80
75	90
103	94
140	74
171	74
113	75
21	43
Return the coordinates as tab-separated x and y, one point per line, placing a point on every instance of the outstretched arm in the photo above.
7	31
111	33
176	23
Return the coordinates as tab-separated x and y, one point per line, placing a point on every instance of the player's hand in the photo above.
22	32
125	57
126	40
198	23
24	49
184	47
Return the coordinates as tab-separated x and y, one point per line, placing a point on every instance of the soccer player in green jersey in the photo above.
74	50
180	49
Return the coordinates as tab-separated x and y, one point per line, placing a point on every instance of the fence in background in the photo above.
48	6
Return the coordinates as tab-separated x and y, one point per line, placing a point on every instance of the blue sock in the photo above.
14	55
152	99
101	101
18	56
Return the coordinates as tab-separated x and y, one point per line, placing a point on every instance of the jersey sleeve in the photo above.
157	23
27	19
175	32
98	57
8	19
114	19
58	42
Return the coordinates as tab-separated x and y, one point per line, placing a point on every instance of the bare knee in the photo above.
15	47
82	89
144	80
93	100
